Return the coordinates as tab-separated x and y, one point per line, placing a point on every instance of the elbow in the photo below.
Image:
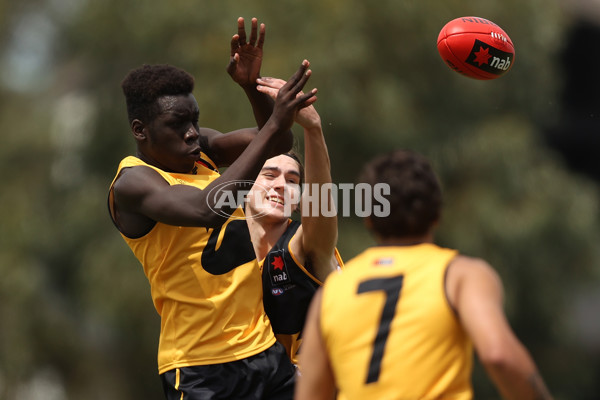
497	358
501	351
215	221
208	218
505	354
493	359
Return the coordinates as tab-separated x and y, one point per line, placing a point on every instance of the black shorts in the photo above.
266	375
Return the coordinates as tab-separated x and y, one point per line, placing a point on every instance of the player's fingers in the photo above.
297	88
261	36
298	76
253	32
268	91
235	40
241	31
271	82
307	99
310	101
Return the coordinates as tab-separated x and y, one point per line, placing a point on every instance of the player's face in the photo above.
276	191
172	137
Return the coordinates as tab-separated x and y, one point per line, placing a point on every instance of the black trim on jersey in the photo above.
204	163
205	148
236	248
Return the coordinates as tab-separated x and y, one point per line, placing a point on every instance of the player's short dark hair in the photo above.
144	85
294	156
415	193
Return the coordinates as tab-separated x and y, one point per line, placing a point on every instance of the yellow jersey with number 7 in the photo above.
389	329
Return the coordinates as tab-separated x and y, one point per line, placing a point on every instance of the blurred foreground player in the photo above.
400	321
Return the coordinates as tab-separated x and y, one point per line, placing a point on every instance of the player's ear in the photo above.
138	129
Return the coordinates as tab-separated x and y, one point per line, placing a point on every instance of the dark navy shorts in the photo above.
266	375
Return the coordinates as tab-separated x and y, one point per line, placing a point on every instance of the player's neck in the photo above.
404	240
264	234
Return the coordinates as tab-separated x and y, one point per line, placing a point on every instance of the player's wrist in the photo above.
248	85
312	128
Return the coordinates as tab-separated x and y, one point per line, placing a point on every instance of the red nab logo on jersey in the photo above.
277	263
277	269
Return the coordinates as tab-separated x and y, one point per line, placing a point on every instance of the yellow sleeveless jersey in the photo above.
389	330
205	285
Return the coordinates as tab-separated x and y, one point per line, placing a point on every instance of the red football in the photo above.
476	47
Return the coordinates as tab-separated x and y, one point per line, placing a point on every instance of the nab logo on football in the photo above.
489	59
277	268
476	47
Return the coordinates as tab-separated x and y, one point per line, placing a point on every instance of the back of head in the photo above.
414	194
144	85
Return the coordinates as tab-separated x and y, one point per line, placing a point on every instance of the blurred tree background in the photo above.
516	157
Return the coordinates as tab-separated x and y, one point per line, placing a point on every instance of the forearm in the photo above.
516	375
262	104
532	387
262	108
319	223
250	161
475	290
245	168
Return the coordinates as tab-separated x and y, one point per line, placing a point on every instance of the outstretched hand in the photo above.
290	99
307	117
246	56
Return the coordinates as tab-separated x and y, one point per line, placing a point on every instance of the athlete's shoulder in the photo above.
466	265
131	161
464	273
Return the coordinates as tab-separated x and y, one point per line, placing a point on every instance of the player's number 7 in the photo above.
391	287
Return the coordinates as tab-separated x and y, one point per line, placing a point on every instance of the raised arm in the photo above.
319	227
141	192
475	290
244	68
316	238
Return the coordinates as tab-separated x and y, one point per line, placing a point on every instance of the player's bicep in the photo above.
133	186
479	303
296	245
225	148
142	191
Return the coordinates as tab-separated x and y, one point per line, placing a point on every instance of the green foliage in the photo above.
77	315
